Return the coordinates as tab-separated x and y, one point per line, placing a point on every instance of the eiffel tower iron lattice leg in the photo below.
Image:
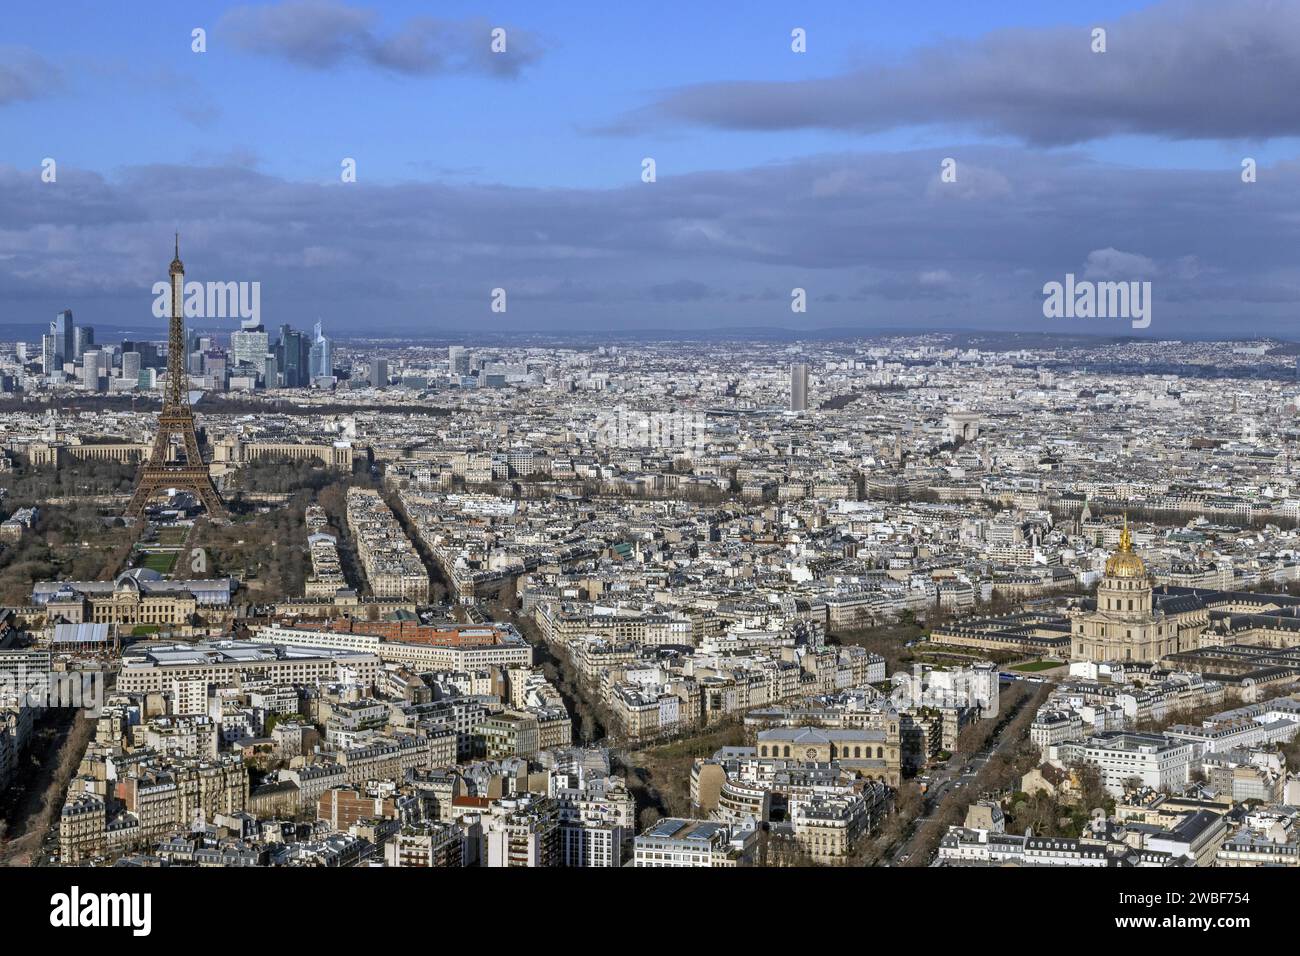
157	474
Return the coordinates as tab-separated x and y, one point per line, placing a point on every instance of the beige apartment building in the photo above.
392	757
392	565
82	828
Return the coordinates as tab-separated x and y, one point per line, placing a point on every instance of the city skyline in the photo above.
592	438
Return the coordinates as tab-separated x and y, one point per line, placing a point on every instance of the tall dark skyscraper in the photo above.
65	337
148	352
293	357
84	337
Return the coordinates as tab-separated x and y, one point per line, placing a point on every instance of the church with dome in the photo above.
1245	637
1128	621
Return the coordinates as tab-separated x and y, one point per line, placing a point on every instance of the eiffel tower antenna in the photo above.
176	421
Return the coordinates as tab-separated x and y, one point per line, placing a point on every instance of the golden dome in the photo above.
1125	563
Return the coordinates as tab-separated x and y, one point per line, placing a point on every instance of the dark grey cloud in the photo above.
683	290
934	286
25	75
1185	69
875	239
324	34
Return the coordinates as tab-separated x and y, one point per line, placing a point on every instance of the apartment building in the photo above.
597	819
155	668
427	844
392	565
1123	759
521	831
676	842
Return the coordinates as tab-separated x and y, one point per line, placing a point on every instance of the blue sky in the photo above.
479	175
136	94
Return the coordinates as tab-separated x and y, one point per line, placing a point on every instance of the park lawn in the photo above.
1037	666
173	537
888	640
160	561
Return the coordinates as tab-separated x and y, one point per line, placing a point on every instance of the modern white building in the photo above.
677	842
1157	762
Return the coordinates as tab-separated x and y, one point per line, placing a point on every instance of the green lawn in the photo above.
1037	666
172	537
160	561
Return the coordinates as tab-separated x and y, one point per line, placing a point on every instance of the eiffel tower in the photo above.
161	470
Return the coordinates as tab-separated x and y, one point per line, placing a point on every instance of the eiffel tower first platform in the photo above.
182	469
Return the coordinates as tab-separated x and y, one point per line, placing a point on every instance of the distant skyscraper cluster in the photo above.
295	361
70	354
65	343
299	359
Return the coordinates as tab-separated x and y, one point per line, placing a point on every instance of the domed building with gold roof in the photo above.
1126	624
1125	562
